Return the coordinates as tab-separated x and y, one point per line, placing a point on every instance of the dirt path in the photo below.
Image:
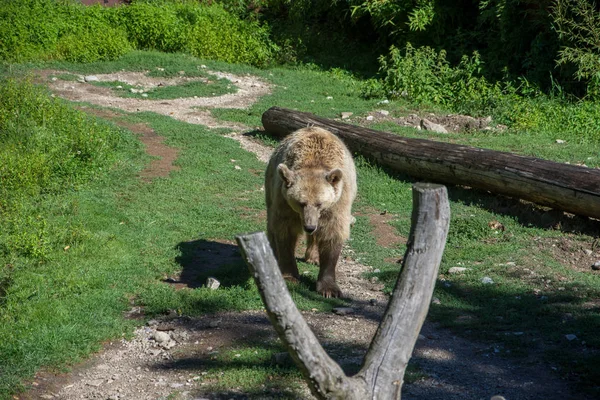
169	358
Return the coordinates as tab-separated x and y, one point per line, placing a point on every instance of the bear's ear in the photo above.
334	176
286	174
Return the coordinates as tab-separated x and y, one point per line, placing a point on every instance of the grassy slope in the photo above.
135	234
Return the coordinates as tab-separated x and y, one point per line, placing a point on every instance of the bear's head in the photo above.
310	192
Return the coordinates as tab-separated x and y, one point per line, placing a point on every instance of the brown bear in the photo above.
310	185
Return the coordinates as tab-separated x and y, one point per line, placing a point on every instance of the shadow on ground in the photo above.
201	259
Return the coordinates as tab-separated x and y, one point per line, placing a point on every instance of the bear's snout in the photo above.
310	229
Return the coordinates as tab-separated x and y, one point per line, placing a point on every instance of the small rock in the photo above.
237	167
376	270
95	382
134	90
422	337
343	310
90	78
329	97
46	396
370	118
144	94
486	280
596	266
155	352
119	87
203	66
570	337
384	102
497	397
161	337
385	113
588	252
214	324
432	126
54	79
212	283
373	302
560	141
457	270
346	115
435	300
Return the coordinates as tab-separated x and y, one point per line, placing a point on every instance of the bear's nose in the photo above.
310	228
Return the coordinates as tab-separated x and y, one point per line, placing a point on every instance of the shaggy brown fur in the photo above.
310	185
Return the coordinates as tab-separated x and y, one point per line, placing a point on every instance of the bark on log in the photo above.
382	374
562	186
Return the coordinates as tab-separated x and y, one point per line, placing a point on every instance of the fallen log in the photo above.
565	187
381	376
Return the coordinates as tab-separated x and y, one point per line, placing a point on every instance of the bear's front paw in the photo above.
328	289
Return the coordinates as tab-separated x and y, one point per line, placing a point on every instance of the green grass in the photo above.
210	88
111	239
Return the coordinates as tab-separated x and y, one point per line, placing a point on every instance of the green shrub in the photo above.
217	35
578	25
62	30
424	75
152	26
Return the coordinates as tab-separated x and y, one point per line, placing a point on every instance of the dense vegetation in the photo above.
67	30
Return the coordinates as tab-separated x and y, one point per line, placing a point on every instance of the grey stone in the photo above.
385	113
370	118
435	300
346	115
90	78
161	337
432	126
486	280
596	266
95	382
570	337
212	283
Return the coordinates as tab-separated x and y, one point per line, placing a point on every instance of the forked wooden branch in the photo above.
382	374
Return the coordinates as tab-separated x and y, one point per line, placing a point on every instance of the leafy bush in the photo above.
424	75
61	30
217	35
578	25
